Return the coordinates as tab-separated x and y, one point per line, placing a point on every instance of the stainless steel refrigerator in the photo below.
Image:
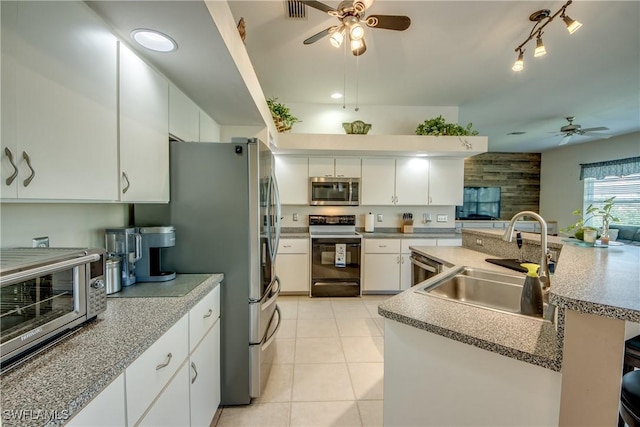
226	212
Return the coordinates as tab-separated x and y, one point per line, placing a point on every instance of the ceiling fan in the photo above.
351	15
568	131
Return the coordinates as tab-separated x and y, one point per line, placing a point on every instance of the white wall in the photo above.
66	224
384	120
561	191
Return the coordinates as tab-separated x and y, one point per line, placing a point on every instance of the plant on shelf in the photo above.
592	212
281	114
439	126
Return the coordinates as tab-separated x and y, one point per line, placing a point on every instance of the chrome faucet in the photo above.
543	271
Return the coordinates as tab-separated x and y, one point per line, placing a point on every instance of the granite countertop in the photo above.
65	377
415	235
520	337
294	235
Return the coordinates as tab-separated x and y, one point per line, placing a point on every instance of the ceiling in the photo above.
456	53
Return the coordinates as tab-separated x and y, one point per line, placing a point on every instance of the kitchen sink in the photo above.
481	288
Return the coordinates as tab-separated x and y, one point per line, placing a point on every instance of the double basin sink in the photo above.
481	288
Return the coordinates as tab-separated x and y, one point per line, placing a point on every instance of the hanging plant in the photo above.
281	114
438	127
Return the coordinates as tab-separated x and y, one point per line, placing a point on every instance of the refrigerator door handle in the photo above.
269	296
278	215
272	337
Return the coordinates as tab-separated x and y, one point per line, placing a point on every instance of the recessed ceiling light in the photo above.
154	40
336	95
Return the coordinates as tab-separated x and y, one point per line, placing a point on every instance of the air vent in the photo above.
295	10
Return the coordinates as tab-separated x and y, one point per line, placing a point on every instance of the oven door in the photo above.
423	268
38	304
335	275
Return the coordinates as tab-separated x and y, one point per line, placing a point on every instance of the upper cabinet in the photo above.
292	174
184	116
446	182
144	127
209	129
346	167
403	181
59	112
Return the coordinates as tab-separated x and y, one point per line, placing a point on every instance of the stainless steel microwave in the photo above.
328	191
44	293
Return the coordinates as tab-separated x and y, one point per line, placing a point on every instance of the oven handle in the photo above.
50	268
422	265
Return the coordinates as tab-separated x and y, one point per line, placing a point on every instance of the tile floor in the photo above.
328	369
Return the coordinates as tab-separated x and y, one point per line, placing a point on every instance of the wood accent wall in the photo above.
517	175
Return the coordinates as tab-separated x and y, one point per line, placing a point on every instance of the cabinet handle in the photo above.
286	246
398	260
382	246
209	313
27	159
328	175
195	371
340	176
126	178
430	201
13	176
401	260
165	364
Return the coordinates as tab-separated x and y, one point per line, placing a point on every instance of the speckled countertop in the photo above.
520	337
382	233
63	378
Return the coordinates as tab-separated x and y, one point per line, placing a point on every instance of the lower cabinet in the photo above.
106	410
292	266
204	364
171	408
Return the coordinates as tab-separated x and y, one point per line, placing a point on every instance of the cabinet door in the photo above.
378	182
381	272
144	130
412	181
184	116
321	166
406	272
65	102
209	129
172	406
106	409
202	316
446	182
292	174
348	168
8	137
293	271
205	378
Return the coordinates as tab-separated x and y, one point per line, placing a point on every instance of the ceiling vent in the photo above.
295	10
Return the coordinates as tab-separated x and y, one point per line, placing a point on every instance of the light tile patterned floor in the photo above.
328	370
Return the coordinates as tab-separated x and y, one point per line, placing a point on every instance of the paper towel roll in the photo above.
369	223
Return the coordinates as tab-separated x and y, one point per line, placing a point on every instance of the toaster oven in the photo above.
46	292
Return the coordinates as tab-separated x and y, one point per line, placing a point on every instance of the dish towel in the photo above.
341	255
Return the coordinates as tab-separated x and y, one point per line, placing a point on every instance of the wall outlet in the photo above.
426	217
40	242
442	218
479	242
295	216
379	217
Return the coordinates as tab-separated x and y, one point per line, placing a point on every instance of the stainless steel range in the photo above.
336	256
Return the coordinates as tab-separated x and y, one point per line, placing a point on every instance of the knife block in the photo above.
407	226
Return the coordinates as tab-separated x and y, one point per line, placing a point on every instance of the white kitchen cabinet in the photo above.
292	174
59	97
292	266
171	408
406	268
153	369
402	181
209	129
144	126
450	242
204	365
381	265
446	182
184	116
341	167
106	409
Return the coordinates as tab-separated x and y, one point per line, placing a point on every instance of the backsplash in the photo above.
66	224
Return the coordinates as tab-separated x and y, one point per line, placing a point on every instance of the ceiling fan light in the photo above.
572	25
356	32
519	64
358	47
337	37
540	49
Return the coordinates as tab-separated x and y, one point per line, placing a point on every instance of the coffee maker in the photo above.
154	239
124	243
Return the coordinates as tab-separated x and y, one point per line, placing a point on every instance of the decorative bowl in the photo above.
358	127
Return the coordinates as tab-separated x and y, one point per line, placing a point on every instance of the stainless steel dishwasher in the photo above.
423	268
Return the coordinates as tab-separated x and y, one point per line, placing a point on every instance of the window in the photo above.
627	192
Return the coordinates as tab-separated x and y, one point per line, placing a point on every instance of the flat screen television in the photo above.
479	203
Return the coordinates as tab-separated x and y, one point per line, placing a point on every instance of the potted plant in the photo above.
590	213
281	114
439	126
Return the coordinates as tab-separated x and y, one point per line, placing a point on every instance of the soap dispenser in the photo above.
531	297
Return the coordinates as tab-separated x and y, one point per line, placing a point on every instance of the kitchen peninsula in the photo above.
448	363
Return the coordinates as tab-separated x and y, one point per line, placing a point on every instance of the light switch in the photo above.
295	216
379	217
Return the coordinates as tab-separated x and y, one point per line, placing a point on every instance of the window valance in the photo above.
620	167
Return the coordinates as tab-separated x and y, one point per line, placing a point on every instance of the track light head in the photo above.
572	25
519	64
540	49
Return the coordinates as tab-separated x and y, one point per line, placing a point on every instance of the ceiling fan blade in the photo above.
320	6
389	22
595	129
599	135
314	38
565	139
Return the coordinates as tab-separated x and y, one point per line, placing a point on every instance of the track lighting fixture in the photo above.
541	19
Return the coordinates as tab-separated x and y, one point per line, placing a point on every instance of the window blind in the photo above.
620	167
626	189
